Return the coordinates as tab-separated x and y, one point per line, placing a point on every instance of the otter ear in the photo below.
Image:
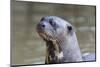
70	29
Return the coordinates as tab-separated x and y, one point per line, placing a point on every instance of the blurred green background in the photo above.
27	47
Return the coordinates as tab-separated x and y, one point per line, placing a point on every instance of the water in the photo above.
28	48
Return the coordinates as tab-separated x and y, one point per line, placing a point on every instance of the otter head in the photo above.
52	27
60	40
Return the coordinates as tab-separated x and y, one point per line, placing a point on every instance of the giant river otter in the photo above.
61	41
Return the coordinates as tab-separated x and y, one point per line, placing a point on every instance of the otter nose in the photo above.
42	25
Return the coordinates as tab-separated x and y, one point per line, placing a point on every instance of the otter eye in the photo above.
42	19
51	22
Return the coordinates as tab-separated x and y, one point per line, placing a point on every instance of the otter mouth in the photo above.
46	36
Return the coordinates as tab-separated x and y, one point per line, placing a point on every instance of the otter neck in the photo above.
70	48
65	49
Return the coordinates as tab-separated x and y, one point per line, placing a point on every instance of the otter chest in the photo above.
54	53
